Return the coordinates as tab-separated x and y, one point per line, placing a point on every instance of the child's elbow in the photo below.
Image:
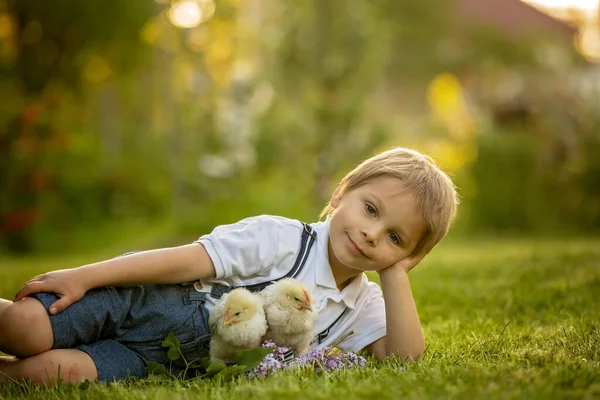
414	354
412	357
408	356
380	350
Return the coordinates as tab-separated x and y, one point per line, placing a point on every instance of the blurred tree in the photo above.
326	62
56	47
60	40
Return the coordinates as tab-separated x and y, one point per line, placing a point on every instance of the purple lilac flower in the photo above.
327	359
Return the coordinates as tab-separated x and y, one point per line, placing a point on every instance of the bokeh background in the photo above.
160	119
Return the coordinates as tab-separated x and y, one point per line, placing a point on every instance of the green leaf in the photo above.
155	368
173	344
252	357
173	353
215	367
232	371
205	362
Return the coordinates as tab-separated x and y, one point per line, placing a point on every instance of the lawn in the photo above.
502	319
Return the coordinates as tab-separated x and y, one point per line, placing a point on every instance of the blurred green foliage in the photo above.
111	116
518	194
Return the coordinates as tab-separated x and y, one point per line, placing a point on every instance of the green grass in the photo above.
502	319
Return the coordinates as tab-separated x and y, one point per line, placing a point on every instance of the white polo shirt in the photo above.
264	248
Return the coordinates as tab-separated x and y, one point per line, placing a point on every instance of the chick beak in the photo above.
307	305
227	319
227	322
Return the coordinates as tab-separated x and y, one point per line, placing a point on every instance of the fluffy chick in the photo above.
237	322
290	314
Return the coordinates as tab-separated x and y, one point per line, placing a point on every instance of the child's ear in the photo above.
335	198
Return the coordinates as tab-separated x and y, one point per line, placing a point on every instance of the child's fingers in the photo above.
410	262
30	288
60	304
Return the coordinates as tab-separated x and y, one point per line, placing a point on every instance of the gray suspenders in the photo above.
306	242
323	335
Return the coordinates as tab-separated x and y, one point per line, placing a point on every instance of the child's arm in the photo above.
404	336
162	266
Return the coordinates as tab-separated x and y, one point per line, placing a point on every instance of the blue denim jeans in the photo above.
121	328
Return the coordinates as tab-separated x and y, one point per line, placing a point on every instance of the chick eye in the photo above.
237	313
297	299
370	210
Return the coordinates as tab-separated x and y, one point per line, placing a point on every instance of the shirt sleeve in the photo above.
369	324
243	249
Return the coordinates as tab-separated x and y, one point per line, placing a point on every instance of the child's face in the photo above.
374	225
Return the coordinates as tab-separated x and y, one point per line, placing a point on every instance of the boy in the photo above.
105	320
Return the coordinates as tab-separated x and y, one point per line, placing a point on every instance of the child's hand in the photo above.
62	282
406	264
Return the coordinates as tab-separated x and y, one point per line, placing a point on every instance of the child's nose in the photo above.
371	235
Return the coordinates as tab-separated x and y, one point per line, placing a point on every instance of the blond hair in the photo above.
434	191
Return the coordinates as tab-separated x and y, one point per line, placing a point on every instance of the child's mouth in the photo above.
354	248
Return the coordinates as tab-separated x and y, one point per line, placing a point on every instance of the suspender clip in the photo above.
308	229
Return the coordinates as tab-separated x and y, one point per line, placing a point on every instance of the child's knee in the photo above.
25	328
66	365
25	315
71	366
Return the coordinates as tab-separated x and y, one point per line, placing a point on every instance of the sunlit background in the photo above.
165	118
582	13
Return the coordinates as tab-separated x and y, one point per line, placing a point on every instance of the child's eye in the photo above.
394	238
370	209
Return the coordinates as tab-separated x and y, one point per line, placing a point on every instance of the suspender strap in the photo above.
289	355
323	335
306	242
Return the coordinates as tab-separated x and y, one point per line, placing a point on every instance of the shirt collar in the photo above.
323	275
351	291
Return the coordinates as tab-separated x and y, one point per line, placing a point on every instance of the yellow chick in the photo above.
290	316
237	322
